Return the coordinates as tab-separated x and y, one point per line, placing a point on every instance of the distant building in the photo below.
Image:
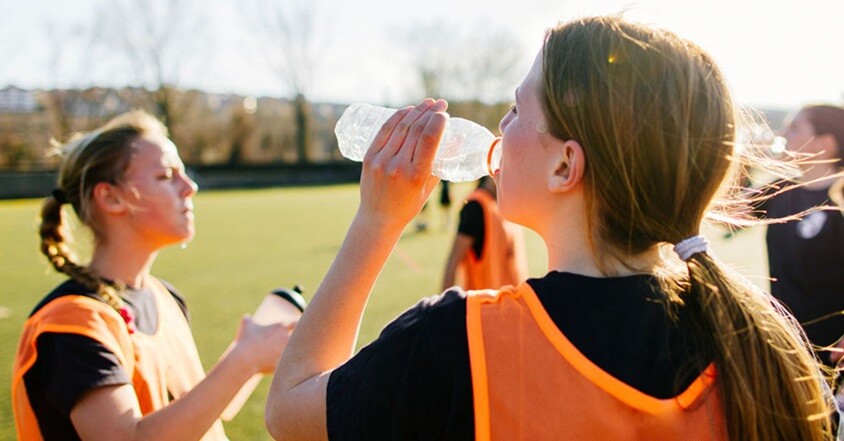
16	100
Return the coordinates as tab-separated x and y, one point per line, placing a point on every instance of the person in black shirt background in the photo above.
805	256
487	251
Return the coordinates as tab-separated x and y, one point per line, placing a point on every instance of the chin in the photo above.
184	237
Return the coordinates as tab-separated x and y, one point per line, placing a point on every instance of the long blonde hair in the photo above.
102	155
658	129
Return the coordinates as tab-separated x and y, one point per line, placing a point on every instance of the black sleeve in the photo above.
472	225
68	365
413	382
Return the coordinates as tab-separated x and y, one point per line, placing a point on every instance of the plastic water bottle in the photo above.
279	306
463	154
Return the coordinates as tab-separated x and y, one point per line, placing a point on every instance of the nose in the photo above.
190	185
505	121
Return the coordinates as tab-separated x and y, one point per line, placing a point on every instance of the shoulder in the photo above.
446	308
73	309
69	287
178	297
472	211
472	205
412	381
429	332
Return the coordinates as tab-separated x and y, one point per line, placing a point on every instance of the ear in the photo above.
569	168
108	198
828	144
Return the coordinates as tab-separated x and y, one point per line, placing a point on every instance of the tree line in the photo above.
154	44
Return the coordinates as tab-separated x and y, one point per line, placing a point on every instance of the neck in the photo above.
572	251
115	263
567	256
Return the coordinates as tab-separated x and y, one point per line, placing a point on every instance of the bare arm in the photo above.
462	245
395	183
112	412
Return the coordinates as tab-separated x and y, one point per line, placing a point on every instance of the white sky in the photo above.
774	54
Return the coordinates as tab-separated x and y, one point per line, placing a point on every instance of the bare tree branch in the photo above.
287	32
157	39
459	63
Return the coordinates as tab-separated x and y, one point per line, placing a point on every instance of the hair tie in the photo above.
688	247
59	196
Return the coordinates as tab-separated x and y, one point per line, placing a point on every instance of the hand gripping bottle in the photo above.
465	153
279	306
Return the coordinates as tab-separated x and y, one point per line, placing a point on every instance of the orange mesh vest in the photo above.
530	383
496	267
160	365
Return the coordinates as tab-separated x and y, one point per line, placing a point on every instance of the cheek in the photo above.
512	185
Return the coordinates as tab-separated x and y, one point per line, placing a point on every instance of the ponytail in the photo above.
771	386
53	234
654	116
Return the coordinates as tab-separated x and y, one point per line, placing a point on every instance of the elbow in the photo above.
296	413
271	421
279	418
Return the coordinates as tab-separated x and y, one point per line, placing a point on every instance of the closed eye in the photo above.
167	174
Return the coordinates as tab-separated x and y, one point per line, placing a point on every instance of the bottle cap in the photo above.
293	296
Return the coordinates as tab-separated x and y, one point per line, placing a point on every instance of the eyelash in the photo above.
513	109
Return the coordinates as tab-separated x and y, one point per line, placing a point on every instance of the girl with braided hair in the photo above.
621	140
109	353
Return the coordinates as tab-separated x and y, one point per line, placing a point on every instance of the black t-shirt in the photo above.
806	259
69	365
472	225
414	381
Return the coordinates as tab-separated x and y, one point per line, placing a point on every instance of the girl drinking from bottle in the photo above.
619	142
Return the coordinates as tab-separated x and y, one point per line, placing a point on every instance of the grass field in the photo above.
249	242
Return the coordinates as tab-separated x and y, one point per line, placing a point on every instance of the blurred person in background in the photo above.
488	252
445	205
805	255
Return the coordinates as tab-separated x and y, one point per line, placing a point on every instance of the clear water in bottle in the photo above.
462	154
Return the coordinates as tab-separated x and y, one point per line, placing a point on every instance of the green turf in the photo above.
249	242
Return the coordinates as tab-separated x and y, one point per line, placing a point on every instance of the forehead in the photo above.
531	84
155	150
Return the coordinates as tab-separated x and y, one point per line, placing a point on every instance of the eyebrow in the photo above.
516	94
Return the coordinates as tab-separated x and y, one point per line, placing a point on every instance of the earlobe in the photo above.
570	166
108	199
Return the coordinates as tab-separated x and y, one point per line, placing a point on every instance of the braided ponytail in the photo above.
53	234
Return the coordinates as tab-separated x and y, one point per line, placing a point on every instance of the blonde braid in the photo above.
53	245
